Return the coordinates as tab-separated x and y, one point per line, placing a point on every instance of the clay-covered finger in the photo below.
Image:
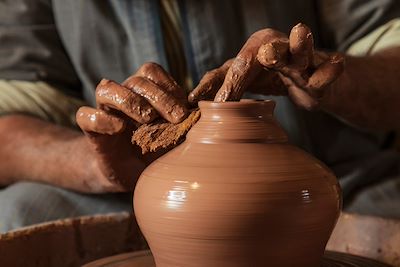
155	73
169	107
209	84
320	57
301	43
326	73
300	97
110	94
245	67
274	54
99	121
296	76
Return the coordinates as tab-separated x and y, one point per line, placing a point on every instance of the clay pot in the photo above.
236	193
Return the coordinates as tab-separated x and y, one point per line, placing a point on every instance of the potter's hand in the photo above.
149	93
273	64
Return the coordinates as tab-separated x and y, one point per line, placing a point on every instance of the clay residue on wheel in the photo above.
162	134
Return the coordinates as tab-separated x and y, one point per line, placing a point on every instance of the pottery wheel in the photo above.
145	259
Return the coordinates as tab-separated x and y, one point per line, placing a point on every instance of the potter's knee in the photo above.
23	204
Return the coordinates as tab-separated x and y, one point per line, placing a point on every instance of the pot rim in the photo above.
243	103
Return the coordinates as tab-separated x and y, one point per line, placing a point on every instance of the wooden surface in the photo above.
73	242
145	259
70	242
372	237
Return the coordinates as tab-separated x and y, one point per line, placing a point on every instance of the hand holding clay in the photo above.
149	93
273	64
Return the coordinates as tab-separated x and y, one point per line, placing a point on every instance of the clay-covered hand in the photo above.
149	93
271	63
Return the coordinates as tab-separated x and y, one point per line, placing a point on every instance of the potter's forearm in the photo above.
35	150
367	94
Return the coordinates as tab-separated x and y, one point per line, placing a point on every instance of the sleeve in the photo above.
343	23
30	48
36	75
38	99
386	36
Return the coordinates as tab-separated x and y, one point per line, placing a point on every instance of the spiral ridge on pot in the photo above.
235	193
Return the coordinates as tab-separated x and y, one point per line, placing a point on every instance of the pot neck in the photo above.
247	121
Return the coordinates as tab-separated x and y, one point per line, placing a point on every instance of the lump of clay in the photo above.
162	134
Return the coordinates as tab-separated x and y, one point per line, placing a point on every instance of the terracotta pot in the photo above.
236	193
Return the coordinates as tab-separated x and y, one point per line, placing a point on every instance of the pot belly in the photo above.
220	220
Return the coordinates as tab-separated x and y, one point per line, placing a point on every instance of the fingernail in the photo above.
104	82
271	54
191	98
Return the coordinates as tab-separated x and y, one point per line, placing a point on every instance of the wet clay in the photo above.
111	95
162	134
299	71
236	193
292	57
167	105
155	73
149	93
145	259
99	121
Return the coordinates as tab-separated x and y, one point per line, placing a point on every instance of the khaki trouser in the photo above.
38	99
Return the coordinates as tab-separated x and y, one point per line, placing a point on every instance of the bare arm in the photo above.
367	94
35	150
